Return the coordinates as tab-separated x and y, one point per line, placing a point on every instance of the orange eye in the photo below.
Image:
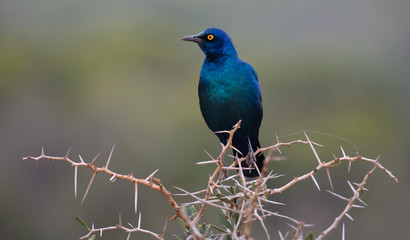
210	37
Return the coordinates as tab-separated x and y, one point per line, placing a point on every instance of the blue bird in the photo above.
229	91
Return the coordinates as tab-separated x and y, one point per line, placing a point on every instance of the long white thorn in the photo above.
343	151
337	195
329	178
314	180
281	236
311	146
109	158
136	197
95	158
207	162
75	181
351	186
89	186
139	221
152	174
68	152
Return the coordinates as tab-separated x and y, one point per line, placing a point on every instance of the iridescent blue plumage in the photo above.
228	92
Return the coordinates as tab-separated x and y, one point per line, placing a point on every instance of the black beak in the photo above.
192	38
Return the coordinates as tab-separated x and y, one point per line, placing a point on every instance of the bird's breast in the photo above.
225	98
218	89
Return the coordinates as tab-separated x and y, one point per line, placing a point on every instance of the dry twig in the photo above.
242	206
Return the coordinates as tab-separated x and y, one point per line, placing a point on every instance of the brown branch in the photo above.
329	165
350	204
247	202
152	182
123	228
255	196
211	182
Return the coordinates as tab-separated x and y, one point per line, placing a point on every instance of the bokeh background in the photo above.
90	74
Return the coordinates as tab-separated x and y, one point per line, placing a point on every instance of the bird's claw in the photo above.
223	173
250	160
250	157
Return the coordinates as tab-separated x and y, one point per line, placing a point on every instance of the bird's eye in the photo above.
210	37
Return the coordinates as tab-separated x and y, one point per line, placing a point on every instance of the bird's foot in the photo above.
251	158
223	173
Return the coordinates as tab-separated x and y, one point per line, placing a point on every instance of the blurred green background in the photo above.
90	74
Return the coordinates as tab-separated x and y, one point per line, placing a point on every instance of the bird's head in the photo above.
213	42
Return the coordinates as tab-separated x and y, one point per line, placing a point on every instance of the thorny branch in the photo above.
350	204
150	181
248	203
219	162
125	229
